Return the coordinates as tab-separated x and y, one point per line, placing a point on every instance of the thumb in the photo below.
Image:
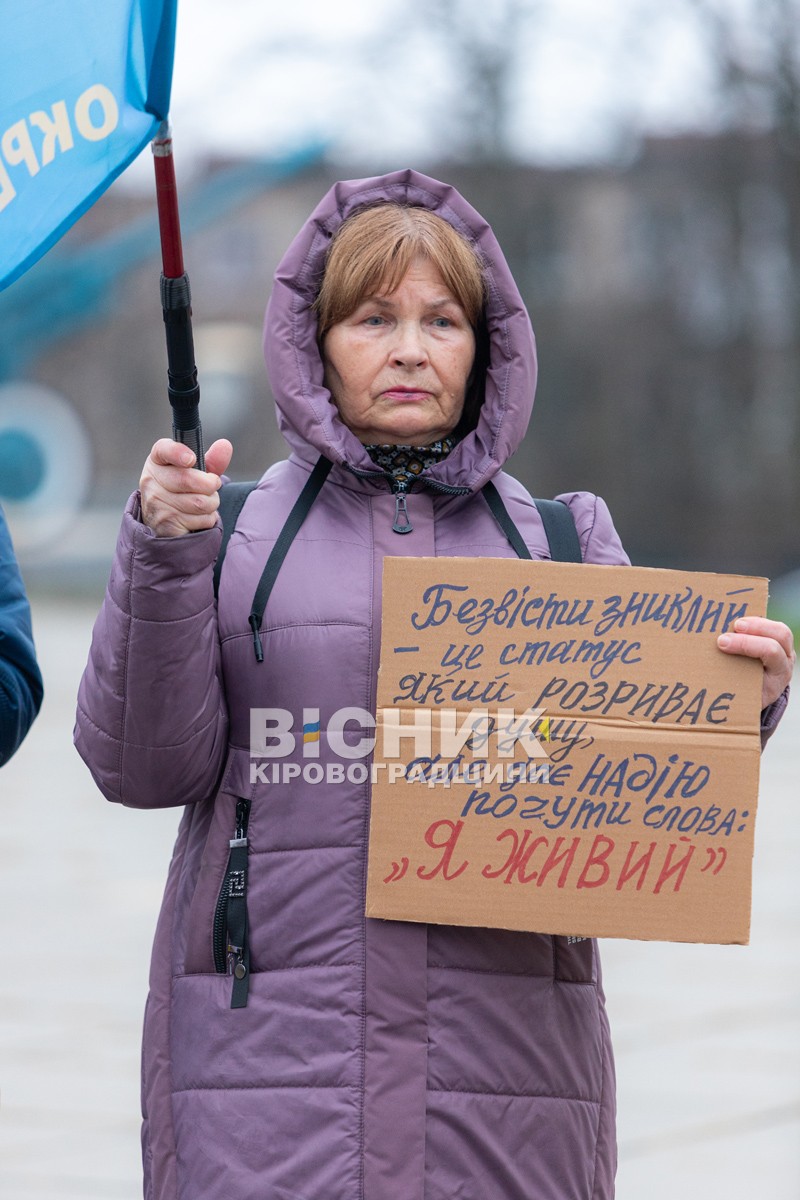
218	456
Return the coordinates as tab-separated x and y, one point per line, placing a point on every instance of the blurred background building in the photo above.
639	167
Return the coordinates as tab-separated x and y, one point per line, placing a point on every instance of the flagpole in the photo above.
176	302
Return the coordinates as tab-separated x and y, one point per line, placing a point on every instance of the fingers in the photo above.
764	627
177	498
166	453
771	642
218	456
758	637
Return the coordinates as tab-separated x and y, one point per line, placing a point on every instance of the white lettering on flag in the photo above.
95	115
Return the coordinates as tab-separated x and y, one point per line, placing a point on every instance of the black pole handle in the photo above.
182	386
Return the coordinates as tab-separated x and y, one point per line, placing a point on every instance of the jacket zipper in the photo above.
401	491
230	941
402	521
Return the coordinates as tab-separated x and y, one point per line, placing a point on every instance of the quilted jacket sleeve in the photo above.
599	539
152	720
20	679
771	715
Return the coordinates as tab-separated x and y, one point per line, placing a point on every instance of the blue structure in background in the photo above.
70	288
22	465
67	289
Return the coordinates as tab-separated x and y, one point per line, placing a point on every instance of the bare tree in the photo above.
486	47
755	56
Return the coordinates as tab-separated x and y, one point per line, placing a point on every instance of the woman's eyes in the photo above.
375	320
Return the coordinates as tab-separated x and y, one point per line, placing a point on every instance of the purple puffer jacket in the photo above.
373	1060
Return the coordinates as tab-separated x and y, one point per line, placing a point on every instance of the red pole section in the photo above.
176	304
169	224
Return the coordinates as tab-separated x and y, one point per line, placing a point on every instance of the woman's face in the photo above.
398	366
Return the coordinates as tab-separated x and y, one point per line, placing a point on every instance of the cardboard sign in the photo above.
563	748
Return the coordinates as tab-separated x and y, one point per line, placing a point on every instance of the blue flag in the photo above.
84	85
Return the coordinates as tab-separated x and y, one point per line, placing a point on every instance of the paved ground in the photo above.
707	1038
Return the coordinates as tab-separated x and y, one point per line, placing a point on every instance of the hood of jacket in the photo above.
307	416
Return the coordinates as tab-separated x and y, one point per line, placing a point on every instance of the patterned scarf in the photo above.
406	463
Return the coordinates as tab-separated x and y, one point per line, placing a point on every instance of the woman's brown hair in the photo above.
372	251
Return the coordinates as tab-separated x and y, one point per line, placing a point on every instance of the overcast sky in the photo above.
363	76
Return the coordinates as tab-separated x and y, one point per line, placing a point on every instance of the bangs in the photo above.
373	250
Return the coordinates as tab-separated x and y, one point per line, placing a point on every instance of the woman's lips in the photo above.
406	395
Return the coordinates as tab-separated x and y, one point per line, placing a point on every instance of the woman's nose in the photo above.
409	345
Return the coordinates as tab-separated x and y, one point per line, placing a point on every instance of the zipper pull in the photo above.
241	976
402	521
259	650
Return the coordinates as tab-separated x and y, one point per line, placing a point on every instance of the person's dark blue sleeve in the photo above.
20	678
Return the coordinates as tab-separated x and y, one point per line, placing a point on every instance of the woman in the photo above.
345	1058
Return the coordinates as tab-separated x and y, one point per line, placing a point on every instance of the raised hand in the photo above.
177	498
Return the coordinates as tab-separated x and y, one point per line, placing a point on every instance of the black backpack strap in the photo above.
279	551
559	527
231	502
500	514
